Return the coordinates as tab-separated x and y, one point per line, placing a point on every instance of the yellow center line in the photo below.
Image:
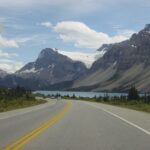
28	137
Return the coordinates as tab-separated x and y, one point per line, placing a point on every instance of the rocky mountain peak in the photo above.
147	27
51	68
47	52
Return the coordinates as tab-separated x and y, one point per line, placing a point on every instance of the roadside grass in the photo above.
139	105
6	105
135	105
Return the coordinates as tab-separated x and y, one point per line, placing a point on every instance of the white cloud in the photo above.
69	7
86	58
24	40
4	42
78	5
8	62
3	19
84	37
10	67
7	55
126	32
47	24
1	26
16	42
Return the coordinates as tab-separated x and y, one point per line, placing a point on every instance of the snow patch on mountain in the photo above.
133	46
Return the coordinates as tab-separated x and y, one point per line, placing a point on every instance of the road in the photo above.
74	125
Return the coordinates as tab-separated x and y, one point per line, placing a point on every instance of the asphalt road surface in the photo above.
74	125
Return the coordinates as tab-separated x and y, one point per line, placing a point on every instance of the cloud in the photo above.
86	58
69	7
84	37
47	24
1	27
78	5
8	62
25	40
126	32
4	42
16	42
10	67
7	55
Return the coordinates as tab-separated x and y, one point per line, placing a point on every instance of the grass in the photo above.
6	105
132	104
136	105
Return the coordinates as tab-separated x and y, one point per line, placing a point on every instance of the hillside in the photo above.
124	64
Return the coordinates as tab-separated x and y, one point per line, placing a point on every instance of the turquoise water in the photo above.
81	94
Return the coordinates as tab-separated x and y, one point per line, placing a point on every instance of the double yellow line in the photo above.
25	139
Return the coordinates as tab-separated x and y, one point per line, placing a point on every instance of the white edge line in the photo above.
117	116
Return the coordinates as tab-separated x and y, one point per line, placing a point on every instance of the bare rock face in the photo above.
128	60
128	53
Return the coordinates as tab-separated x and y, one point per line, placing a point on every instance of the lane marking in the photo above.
117	116
28	137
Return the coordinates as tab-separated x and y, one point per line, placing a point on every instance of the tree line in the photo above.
14	93
132	95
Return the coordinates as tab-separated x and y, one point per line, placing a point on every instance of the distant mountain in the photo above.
124	64
121	65
3	73
51	69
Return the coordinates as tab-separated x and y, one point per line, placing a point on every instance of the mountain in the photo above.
105	48
3	73
50	70
124	64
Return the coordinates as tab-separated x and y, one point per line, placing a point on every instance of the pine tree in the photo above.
133	93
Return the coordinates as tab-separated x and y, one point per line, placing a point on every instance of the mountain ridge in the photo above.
124	64
48	69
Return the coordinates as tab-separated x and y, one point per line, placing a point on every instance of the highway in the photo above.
74	125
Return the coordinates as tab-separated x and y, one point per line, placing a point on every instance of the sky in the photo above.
76	27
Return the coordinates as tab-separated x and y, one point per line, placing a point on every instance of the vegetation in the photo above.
133	100
133	93
17	98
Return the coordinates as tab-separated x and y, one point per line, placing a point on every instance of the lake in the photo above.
81	94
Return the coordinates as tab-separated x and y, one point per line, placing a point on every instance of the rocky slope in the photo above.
124	64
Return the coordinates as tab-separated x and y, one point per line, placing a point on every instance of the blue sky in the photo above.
75	27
